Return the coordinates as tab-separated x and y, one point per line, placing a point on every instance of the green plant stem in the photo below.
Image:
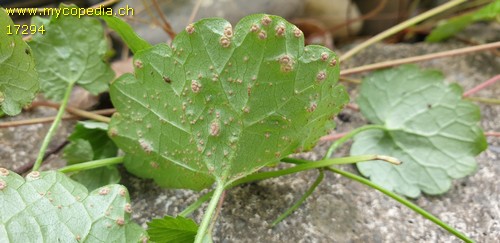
297	204
54	126
302	165
190	209
312	165
348	136
92	164
403	201
400	27
209	212
332	148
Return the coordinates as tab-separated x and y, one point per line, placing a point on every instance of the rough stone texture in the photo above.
340	210
19	146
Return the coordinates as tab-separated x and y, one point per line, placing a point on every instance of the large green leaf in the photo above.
18	78
172	230
429	127
222	102
71	50
449	27
50	207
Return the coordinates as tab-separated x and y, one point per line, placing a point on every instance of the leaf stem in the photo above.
54	126
209	212
308	165
297	204
392	63
92	164
349	135
302	165
190	209
400	27
403	201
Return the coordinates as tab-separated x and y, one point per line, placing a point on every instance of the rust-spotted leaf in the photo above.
224	101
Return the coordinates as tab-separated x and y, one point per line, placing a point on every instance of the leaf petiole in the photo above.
92	164
209	212
316	184
302	165
53	127
348	136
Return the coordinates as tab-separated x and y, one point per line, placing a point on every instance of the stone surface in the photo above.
19	146
340	210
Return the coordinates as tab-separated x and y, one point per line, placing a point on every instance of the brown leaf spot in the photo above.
104	191
190	29
225	42
4	172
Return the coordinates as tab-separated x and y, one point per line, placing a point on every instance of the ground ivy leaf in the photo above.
50	207
78	151
18	78
71	50
223	102
172	230
454	25
89	141
429	127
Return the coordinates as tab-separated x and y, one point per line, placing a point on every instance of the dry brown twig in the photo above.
166	25
194	12
51	118
391	63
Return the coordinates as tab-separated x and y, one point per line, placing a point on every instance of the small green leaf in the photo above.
133	41
18	78
428	126
78	151
450	27
89	141
172	230
50	207
222	103
71	50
